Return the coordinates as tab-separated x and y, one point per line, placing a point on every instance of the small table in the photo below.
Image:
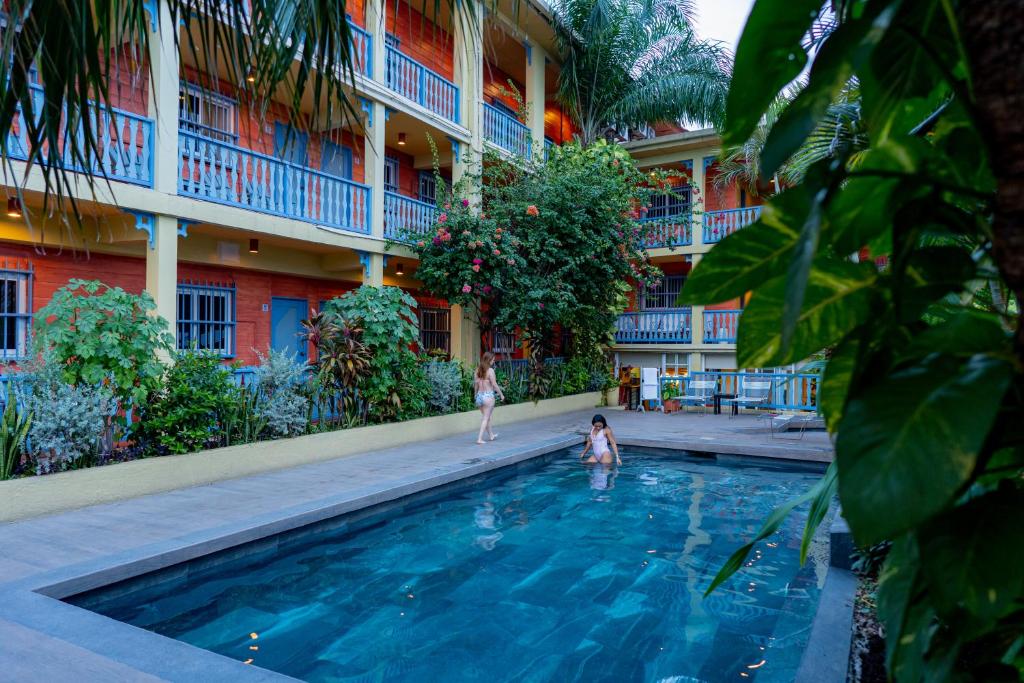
718	404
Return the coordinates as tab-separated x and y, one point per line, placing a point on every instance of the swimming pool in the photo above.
553	571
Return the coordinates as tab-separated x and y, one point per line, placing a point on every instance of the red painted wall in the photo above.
558	125
428	44
496	87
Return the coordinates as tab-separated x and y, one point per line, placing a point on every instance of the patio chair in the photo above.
699	392
753	394
780	422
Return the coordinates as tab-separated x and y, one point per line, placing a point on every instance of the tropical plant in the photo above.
241	420
293	48
445	380
284	403
104	335
636	62
14	427
387	318
184	415
924	386
341	365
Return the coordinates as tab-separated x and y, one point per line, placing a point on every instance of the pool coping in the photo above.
35	602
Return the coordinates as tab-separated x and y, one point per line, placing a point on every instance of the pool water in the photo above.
553	572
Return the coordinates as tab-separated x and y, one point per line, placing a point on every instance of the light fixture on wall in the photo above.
401	138
14	207
250	77
399	268
254	246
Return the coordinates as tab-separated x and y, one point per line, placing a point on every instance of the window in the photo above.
504	342
337	160
435	329
428	187
675	204
206	317
207	114
393	41
391	174
15	309
663	296
290	144
504	108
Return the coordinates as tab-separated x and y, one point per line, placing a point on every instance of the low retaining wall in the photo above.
35	496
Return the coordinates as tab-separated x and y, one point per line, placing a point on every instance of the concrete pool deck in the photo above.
59	555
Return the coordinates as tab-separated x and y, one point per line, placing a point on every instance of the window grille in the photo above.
504	342
15	308
435	329
664	295
206	317
667	206
391	174
206	113
428	187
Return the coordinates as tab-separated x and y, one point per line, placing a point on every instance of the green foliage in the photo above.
924	383
104	335
186	414
343	363
14	427
387	319
241	420
283	401
446	388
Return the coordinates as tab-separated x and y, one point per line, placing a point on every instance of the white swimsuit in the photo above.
600	441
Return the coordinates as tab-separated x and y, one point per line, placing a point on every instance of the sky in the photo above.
722	20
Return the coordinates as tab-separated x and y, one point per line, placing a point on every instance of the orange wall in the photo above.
496	87
419	38
558	125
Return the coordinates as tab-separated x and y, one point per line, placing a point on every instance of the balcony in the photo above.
124	143
720	224
415	82
674	231
362	50
506	131
664	326
225	173
406	214
720	326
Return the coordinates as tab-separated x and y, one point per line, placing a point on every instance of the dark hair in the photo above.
599	418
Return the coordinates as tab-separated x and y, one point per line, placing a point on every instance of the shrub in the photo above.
186	415
100	334
283	402
14	427
68	422
342	365
445	381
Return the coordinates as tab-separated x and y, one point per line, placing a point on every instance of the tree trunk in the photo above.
993	32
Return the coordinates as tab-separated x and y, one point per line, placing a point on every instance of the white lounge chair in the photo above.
753	394
699	392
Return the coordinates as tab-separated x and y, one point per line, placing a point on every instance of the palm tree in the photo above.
259	47
636	62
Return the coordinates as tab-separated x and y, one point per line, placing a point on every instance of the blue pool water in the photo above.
556	572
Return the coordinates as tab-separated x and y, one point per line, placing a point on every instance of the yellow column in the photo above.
375	25
373	269
697	315
162	269
697	201
465	337
163	100
374	166
535	58
469	60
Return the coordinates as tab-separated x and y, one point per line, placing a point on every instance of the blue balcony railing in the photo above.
789	390
124	143
506	132
664	326
406	214
362	50
415	82
720	326
674	231
720	224
228	174
548	145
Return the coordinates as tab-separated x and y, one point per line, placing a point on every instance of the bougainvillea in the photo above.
552	243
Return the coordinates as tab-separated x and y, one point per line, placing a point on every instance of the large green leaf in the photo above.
837	300
750	256
964	333
907	621
799	271
975	553
835	381
907	446
769	56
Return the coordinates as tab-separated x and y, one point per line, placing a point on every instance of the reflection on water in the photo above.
563	573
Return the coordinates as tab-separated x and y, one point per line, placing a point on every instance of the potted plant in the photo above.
670	393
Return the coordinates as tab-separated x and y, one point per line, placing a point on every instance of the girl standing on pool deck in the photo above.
485	386
599	439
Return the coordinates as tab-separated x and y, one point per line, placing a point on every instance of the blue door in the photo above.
336	160
285	328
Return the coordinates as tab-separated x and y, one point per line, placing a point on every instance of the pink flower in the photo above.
532	210
437	241
420	243
487	289
511	261
447	206
442	218
541	304
476	269
465	202
447	237
466	289
497	252
477	261
465	233
479	243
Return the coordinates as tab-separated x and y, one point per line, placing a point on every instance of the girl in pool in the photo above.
485	386
600	438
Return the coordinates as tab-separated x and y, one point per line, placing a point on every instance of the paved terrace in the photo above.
44	640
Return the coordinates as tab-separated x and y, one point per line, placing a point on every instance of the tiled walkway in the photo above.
41	639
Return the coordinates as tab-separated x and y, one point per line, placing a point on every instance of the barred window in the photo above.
206	317
667	206
15	308
504	342
391	174
428	187
664	295
435	329
207	113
